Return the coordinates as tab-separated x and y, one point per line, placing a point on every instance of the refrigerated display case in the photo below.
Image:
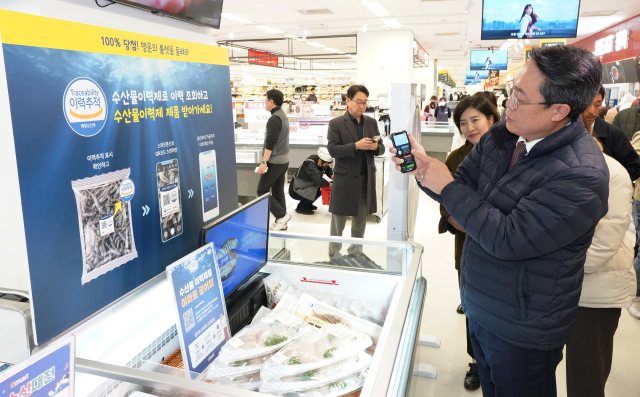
120	348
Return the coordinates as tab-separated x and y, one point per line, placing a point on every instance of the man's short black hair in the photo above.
354	89
572	76
602	92
276	96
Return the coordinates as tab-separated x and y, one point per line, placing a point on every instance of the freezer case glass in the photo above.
119	349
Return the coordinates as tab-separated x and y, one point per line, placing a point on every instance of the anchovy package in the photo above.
249	381
107	240
220	369
341	387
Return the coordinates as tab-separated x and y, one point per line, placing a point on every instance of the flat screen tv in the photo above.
489	60
240	241
477	74
200	12
624	71
530	19
471	81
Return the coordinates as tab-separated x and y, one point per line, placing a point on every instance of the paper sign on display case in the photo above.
321	110
310	80
203	325
256	112
293	124
261	82
307	107
49	372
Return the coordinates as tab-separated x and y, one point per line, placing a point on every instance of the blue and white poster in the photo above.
108	128
48	373
202	314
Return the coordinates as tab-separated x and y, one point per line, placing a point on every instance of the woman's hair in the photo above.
433	98
488	59
603	112
443	99
478	102
534	17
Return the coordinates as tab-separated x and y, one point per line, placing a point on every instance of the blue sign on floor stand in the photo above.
49	372
199	301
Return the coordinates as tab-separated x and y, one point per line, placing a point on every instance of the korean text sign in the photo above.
199	302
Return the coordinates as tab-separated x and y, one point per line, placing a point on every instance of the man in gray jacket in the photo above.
275	159
352	145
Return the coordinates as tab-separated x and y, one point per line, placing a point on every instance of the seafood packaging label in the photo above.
106	225
340	332
279	358
236	342
288	319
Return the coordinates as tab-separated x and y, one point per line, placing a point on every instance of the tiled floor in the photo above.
441	319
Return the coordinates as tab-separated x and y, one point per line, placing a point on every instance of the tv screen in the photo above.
531	19
489	60
471	81
477	74
200	12
624	71
240	241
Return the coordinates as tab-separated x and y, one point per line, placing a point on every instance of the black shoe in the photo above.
304	211
459	309
313	207
472	380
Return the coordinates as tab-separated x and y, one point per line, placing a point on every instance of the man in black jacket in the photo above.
613	139
305	185
529	196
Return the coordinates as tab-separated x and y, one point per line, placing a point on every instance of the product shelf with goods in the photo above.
120	348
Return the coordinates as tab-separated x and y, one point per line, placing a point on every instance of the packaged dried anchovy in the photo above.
318	377
106	235
340	387
248	381
220	369
317	349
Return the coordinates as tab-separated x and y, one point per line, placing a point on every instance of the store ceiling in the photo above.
441	27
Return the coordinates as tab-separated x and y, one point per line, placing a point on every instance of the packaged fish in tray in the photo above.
219	369
340	387
249	381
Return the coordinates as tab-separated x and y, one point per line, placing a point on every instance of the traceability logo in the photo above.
85	106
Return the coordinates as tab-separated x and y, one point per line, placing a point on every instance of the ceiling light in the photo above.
352	57
607	13
331	49
469	7
291	36
391	23
313	43
364	27
268	29
377	9
235	18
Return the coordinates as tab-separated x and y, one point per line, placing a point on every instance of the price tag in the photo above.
288	319
235	342
340	331
279	357
267	320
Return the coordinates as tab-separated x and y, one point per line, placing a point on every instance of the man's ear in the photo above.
560	111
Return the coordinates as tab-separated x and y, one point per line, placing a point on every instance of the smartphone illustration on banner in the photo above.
169	198
209	185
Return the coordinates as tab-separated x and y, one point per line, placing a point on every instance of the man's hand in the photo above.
262	169
455	224
366	144
433	174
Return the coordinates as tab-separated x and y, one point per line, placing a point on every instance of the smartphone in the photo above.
376	138
401	143
209	185
168	176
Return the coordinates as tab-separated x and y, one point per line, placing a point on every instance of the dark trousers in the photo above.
590	351
469	345
304	203
274	180
510	371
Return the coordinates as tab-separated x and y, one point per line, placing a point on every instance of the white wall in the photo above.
425	76
385	58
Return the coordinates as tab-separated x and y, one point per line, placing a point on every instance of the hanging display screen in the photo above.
477	74
240	242
201	12
624	71
533	19
489	60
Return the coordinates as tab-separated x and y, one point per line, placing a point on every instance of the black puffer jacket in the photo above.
528	231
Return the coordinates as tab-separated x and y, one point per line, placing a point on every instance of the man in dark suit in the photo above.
352	146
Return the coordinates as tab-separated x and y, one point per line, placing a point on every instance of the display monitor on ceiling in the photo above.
624	71
240	240
477	74
489	60
532	19
200	12
471	81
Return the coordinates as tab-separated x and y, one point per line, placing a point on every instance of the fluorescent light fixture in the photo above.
291	36
353	57
235	18
364	27
268	29
391	23
469	7
331	49
290	59
313	43
377	9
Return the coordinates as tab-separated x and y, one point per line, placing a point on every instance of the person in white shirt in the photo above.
528	19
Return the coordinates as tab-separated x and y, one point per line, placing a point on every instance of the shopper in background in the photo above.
275	160
628	121
609	285
634	310
614	141
442	112
529	196
603	112
312	97
430	109
353	193
473	116
305	185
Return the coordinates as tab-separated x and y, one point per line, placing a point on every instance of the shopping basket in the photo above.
326	194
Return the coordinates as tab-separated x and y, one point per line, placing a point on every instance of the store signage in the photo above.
293	124
321	110
262	58
310	80
49	372
200	308
256	112
606	45
261	82
289	80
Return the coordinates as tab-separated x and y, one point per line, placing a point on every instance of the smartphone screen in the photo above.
209	185
169	199
401	143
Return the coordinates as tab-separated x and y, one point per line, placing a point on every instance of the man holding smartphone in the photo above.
352	145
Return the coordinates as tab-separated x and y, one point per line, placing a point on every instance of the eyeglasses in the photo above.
515	102
359	102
